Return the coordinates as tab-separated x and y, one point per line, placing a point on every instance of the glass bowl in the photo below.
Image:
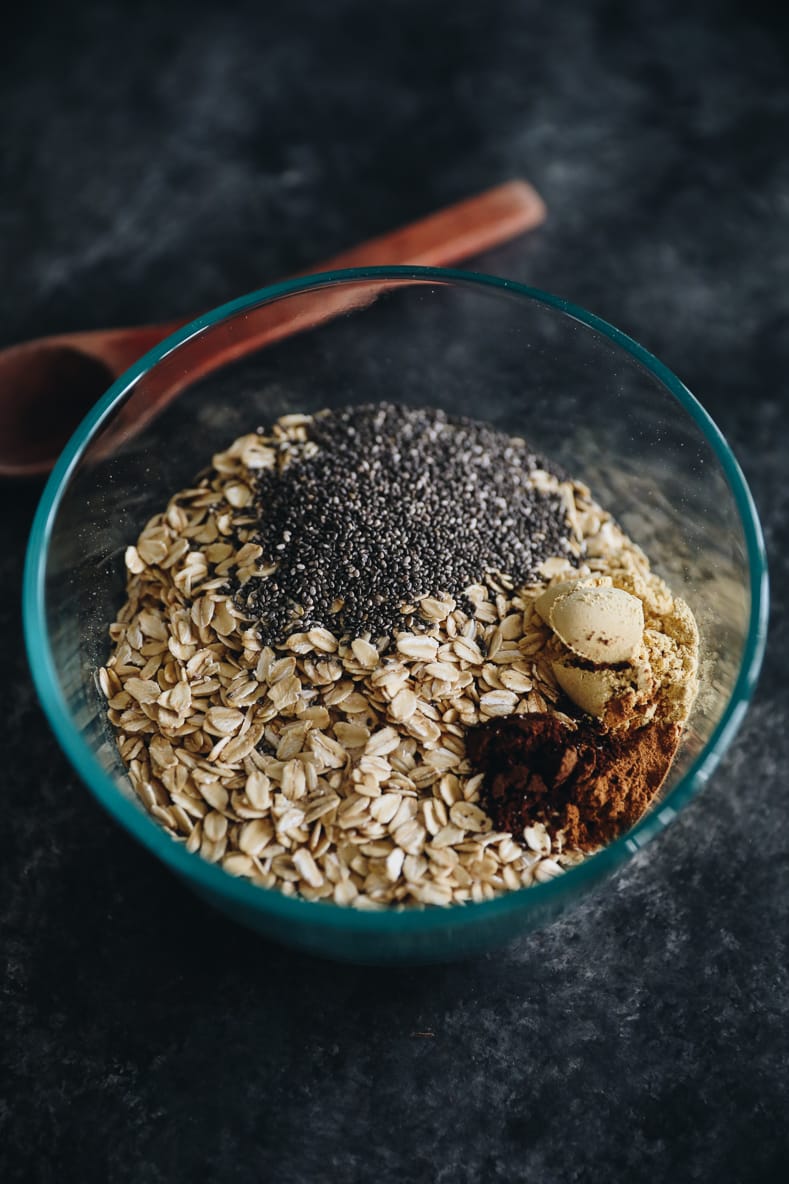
580	391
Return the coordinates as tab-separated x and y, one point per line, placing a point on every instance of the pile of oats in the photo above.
327	768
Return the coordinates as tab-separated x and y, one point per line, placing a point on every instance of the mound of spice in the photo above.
383	504
576	781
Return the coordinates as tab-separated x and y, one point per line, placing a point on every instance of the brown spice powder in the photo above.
591	785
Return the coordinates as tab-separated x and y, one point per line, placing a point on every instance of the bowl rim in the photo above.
211	878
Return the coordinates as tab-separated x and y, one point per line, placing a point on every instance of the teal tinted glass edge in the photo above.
211	878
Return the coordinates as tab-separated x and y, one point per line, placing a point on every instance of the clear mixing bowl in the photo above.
577	389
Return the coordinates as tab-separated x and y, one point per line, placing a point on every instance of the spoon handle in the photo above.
458	232
461	230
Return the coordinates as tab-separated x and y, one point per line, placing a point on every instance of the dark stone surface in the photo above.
161	158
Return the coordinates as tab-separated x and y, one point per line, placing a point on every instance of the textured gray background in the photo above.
157	159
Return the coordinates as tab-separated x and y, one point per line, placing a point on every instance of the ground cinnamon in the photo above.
572	777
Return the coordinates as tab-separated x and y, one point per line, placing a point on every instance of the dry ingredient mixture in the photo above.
383	656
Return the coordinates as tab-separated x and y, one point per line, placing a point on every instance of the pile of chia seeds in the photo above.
396	503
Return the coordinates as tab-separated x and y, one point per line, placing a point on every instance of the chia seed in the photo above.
396	504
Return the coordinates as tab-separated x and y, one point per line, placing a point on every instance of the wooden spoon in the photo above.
48	385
